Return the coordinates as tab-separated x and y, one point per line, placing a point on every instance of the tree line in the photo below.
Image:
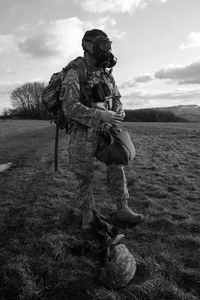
27	104
26	101
152	115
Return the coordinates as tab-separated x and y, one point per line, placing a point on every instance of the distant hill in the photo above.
181	113
188	112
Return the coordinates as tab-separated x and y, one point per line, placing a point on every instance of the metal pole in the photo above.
56	148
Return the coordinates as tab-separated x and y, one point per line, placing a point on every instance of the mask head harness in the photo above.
101	48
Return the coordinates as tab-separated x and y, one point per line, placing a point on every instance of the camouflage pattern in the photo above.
82	146
83	140
120	267
72	107
118	264
118	184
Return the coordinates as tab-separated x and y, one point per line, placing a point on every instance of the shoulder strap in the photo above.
82	68
78	64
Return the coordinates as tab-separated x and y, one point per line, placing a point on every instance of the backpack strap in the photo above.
79	65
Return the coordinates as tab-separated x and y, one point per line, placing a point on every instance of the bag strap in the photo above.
79	65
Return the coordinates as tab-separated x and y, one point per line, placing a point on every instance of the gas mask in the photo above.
102	53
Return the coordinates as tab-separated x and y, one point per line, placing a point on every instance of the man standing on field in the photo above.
91	101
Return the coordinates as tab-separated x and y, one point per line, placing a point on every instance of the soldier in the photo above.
87	79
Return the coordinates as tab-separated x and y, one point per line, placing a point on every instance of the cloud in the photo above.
5	90
7	71
7	87
39	45
193	41
176	94
134	94
61	39
7	43
135	103
116	6
181	74
128	84
54	41
108	25
58	1
143	78
141	98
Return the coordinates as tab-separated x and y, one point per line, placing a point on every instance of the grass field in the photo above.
43	254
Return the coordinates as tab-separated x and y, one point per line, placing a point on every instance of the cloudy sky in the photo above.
157	43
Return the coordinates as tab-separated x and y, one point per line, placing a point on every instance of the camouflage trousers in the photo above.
82	147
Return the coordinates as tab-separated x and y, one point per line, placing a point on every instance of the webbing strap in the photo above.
79	65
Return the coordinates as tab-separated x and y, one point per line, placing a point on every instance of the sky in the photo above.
156	42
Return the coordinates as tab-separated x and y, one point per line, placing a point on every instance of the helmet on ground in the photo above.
120	267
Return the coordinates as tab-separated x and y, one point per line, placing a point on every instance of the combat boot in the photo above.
125	215
87	218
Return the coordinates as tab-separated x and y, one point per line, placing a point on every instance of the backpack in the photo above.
51	99
51	93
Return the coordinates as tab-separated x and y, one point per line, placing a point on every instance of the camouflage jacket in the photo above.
71	96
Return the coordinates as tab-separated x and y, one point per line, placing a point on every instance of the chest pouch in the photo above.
102	96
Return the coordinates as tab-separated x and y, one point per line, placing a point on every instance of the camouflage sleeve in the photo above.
117	104
72	107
